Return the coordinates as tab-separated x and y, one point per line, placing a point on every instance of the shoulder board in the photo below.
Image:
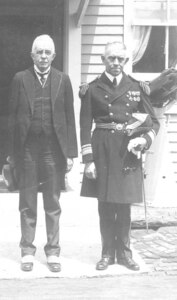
84	86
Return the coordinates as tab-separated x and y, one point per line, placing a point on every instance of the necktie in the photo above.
42	76
114	82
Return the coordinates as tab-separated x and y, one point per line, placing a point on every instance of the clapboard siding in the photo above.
172	136
95	49
103	22
105	10
107	2
101	30
171	127
91	69
91	59
99	39
89	77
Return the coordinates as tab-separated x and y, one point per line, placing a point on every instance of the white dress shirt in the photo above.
118	78
37	71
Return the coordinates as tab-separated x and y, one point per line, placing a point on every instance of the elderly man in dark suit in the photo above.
112	154
42	145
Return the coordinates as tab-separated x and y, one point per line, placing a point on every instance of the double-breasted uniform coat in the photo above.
104	103
119	172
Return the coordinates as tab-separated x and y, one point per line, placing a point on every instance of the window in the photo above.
155	35
156	12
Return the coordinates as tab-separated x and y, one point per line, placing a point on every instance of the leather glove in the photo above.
69	165
137	145
90	170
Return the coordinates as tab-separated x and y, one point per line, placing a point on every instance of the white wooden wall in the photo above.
172	139
161	162
103	22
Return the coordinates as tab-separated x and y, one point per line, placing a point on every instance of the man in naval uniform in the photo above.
42	145
112	155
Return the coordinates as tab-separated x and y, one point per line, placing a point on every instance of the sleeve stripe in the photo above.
86	149
152	134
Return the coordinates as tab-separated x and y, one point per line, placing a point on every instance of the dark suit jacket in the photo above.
21	104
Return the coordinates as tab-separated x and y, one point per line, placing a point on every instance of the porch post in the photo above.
72	66
72	49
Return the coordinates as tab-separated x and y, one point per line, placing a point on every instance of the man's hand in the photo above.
70	163
10	160
90	170
137	145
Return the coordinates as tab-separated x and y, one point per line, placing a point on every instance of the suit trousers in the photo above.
115	223
43	162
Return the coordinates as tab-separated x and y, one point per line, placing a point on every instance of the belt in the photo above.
111	126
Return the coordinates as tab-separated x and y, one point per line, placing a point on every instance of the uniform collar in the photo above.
111	78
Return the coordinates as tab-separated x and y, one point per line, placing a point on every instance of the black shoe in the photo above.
104	263
26	266
128	263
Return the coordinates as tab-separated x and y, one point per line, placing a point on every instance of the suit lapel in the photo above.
29	85
56	80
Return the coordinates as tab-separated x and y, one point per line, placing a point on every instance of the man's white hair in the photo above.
118	45
43	39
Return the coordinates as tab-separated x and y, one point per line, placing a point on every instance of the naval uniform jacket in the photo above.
104	103
21	108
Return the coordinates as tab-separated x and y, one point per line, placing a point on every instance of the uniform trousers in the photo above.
43	162
115	223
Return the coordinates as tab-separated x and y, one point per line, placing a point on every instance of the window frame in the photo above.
146	22
128	24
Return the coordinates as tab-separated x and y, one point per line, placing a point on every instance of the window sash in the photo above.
155	12
162	56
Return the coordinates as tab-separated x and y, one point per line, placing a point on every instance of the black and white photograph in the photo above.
88	149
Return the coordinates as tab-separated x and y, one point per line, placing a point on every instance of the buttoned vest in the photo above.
42	114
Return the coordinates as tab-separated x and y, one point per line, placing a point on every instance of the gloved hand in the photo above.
90	170
69	165
136	145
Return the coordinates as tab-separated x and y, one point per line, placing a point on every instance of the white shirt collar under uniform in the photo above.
119	77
